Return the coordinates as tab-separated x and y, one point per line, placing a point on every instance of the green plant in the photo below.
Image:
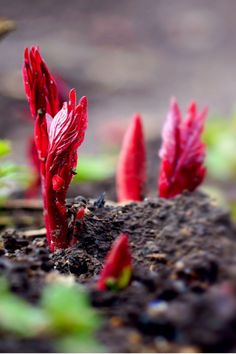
10	173
219	136
64	314
93	169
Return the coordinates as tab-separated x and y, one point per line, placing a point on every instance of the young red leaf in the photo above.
117	270
42	94
131	171
66	132
182	152
40	86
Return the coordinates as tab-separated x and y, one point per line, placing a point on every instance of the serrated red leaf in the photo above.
182	152
40	85
131	170
66	133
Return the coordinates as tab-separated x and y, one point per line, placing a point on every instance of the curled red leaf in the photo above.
40	86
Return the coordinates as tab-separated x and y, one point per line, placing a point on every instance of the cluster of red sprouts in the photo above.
59	131
182	156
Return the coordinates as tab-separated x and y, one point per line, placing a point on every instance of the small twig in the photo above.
34	233
30	204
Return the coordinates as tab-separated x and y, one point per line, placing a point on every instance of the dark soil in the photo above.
183	292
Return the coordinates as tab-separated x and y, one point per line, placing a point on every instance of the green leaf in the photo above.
232	206
19	317
69	309
5	148
219	136
97	168
64	314
79	344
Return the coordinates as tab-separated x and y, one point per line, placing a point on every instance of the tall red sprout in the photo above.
58	134
66	133
131	170
43	97
182	152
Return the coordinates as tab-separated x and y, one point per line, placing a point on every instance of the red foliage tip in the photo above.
182	152
40	86
66	132
131	171
117	270
42	94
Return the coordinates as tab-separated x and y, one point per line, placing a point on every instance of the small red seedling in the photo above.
117	270
182	152
131	171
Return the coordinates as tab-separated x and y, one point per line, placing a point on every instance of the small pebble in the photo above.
157	307
116	321
134	338
179	265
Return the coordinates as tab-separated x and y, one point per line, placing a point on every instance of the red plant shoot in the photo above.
41	91
182	152
58	134
66	133
131	171
117	270
43	97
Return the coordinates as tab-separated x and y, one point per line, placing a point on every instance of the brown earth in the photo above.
183	290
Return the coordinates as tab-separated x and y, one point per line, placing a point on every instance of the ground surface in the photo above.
183	292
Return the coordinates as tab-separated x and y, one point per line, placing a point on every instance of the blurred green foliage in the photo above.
94	168
5	147
220	138
10	173
17	316
64	315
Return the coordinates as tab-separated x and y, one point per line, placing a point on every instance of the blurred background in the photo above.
126	56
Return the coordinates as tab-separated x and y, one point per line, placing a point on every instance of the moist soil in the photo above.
182	296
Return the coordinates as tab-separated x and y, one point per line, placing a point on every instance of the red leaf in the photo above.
57	183
66	133
40	86
131	171
117	266
182	152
